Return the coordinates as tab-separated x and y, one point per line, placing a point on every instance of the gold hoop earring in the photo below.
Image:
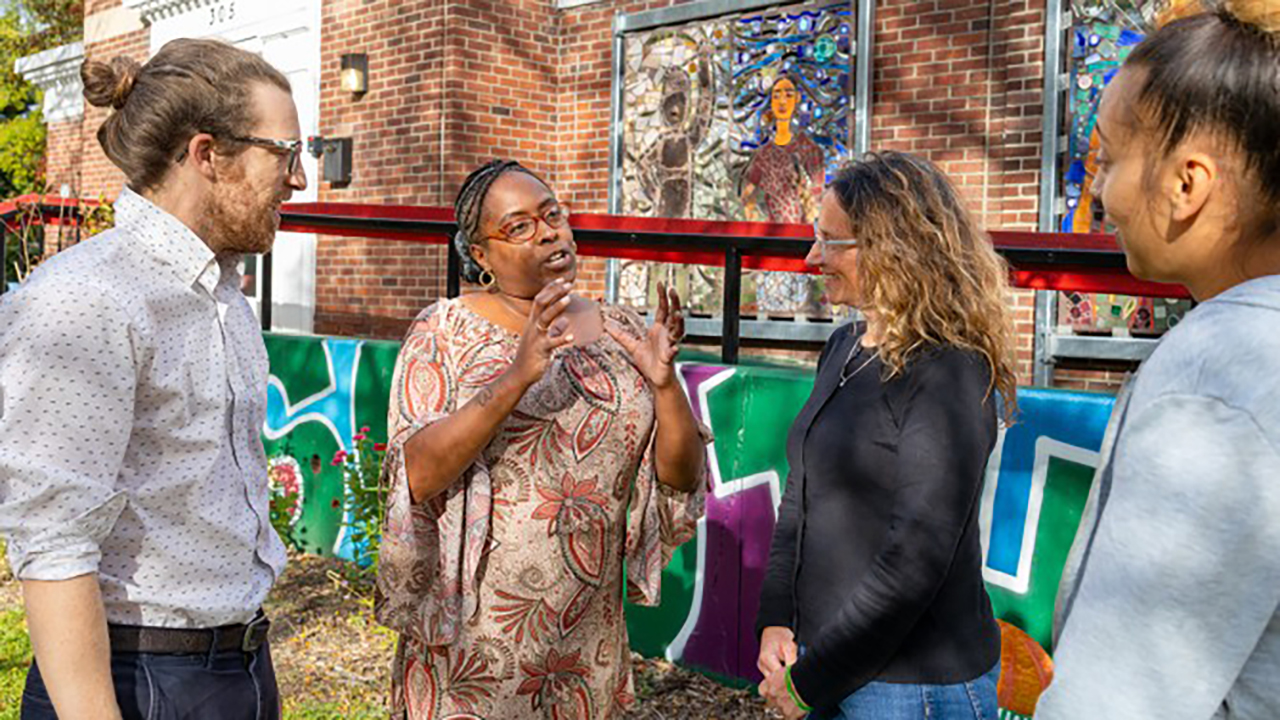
488	282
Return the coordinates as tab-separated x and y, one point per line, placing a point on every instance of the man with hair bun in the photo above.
133	481
1170	606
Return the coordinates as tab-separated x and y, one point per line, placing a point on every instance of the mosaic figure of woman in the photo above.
782	183
784	179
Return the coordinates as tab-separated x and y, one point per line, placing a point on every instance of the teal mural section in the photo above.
326	392
321	393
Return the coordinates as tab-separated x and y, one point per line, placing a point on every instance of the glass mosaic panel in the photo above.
1101	36
740	117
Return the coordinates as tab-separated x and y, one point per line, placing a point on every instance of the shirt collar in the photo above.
168	239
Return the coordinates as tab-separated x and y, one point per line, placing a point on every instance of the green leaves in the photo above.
28	27
22	148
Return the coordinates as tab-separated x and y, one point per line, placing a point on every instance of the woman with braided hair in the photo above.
1168	608
537	439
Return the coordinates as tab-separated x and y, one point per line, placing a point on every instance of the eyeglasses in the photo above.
291	148
823	242
523	229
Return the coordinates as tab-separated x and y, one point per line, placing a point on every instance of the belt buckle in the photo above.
255	633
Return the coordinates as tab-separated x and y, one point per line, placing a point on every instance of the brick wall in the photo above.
98	176
66	143
452	85
62	167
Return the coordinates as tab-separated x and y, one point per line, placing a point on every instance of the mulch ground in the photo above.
331	658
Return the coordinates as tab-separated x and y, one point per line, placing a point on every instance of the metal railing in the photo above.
1042	261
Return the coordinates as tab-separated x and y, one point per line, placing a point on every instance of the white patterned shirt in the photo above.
133	386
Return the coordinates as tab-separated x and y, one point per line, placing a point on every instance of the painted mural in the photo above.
741	117
324	392
1101	36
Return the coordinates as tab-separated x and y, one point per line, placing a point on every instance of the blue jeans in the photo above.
215	686
973	700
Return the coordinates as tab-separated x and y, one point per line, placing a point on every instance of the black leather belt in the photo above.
182	641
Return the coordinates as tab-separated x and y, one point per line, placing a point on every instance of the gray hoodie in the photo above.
1170	606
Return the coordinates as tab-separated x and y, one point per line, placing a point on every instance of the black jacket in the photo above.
876	561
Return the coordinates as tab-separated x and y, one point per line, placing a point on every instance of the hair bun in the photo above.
1262	14
1172	10
109	85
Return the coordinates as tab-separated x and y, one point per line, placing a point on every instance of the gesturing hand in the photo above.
543	333
654	353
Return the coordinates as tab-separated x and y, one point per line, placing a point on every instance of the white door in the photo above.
293	276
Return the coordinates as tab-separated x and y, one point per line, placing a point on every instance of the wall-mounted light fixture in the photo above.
354	78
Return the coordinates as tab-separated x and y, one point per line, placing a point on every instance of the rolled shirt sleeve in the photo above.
1181	581
67	385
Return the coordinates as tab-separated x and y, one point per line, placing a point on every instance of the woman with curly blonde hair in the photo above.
873	604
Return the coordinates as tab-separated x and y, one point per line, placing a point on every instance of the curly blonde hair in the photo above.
926	270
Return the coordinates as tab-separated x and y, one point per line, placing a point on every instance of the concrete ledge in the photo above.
57	72
1084	347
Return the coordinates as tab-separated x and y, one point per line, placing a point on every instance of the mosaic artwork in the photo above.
1101	37
741	117
1102	34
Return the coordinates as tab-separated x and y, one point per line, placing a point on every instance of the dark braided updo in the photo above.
469	204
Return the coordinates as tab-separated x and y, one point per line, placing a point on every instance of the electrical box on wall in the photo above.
337	154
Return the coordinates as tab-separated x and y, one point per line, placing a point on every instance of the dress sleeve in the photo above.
946	432
67	384
430	551
659	518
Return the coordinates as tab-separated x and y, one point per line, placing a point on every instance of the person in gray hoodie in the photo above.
1169	606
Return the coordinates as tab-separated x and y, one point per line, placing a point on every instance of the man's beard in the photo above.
239	221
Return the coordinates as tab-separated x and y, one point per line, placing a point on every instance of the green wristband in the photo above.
795	696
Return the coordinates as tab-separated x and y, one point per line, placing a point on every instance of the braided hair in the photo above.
468	205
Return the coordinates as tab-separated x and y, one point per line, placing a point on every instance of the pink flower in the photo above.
359	436
365	430
379	447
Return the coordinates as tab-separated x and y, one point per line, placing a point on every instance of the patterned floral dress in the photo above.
507	588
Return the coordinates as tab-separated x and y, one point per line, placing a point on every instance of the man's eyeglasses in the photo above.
523	229
290	148
823	242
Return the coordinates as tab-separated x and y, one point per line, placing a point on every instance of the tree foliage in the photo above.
27	27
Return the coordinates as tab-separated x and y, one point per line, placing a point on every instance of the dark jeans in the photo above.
217	686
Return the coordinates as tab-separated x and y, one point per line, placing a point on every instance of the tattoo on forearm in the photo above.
484	396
